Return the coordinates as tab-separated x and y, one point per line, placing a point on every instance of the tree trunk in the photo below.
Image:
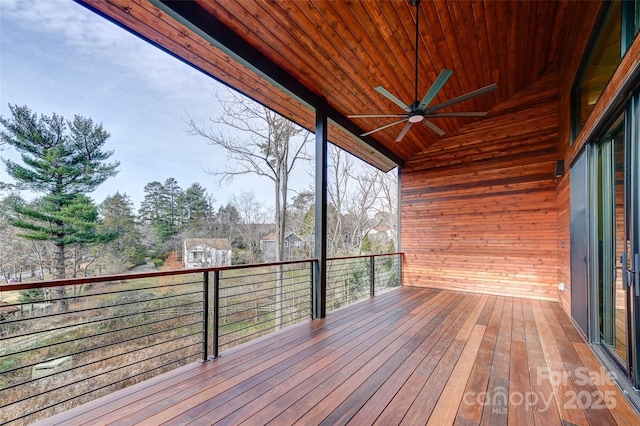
279	246
60	292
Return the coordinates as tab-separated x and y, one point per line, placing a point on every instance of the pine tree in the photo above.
117	215
172	194
63	160
195	202
162	207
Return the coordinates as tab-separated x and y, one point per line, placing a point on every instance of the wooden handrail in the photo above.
365	256
123	277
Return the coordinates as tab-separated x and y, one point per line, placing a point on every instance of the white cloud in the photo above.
88	35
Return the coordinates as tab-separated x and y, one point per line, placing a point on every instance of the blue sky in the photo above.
57	56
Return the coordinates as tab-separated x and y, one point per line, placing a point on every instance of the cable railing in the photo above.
82	339
254	302
354	278
67	342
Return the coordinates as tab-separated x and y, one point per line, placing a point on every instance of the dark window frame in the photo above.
630	23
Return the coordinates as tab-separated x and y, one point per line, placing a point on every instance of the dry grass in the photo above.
108	354
9	296
94	380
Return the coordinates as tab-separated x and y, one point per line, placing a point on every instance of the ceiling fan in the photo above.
420	111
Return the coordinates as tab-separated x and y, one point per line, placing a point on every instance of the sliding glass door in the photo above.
632	261
611	226
614	226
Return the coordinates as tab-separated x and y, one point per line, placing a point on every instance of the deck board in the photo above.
410	356
545	409
497	392
470	409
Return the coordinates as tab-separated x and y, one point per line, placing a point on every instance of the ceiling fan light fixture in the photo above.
416	118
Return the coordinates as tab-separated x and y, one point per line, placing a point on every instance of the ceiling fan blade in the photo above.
433	127
454	114
384	127
435	88
482	91
404	131
384	92
376	115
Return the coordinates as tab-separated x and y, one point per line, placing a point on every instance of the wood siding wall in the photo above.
583	19
479	209
564	241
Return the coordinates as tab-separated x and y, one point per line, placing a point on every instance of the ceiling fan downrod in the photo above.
417	4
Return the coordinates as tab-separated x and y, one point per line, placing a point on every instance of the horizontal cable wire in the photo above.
100	320
91	336
51	390
109	384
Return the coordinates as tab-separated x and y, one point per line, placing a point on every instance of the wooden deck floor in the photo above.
411	356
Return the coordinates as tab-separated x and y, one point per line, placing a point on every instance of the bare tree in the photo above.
253	218
338	180
387	208
42	255
361	198
14	253
260	142
298	212
353	193
362	201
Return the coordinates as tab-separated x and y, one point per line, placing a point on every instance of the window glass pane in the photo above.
604	60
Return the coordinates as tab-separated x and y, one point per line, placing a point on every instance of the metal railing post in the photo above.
205	317
216	312
372	276
312	265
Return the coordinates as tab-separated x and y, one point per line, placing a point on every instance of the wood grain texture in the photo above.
412	355
481	211
582	17
564	239
447	406
479	208
342	50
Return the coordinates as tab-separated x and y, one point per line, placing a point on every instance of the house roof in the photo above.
272	236
293	55
269	237
216	243
380	228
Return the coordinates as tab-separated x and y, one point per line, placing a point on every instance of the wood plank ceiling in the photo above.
341	50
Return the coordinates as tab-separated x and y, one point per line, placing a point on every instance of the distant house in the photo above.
309	242
380	234
295	247
205	252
